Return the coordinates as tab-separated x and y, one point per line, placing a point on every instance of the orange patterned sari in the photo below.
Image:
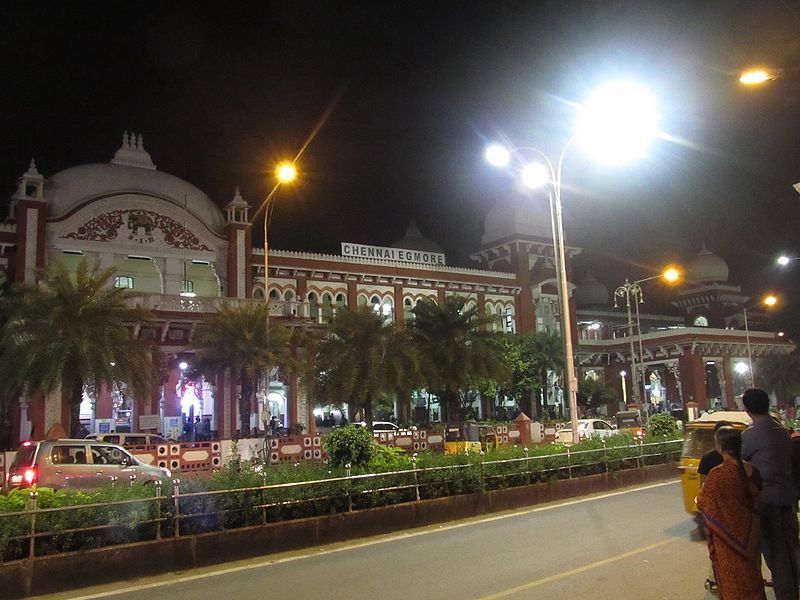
734	532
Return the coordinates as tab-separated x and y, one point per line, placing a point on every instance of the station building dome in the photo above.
590	293
130	171
707	267
414	240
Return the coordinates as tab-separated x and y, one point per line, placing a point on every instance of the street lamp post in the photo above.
622	375
769	300
633	289
285	172
621	117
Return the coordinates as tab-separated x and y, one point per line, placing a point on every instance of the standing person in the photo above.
727	501
767	445
710	459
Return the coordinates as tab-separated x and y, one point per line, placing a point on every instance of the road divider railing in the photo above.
173	509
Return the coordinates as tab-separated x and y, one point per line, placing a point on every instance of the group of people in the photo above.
748	501
197	430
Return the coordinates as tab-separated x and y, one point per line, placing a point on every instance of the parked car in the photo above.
76	464
129	439
586	428
379	426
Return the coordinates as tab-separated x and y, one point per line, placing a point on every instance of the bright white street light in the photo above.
784	260
497	155
535	175
619	122
740	368
183	366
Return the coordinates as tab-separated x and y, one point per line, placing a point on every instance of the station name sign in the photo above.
396	254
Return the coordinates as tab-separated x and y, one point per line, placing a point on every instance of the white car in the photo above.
380	426
586	428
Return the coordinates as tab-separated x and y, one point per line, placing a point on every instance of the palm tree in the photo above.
781	374
456	349
71	331
363	361
546	353
239	338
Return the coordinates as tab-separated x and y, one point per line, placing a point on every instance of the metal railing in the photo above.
36	531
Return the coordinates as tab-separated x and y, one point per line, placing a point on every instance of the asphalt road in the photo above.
624	545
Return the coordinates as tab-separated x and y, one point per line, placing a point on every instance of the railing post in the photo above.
113	480
32	495
569	462
641	451
263	505
482	480
527	464
176	493
605	454
132	479
347	467
416	479
157	484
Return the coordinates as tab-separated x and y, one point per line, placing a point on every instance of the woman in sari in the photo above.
727	502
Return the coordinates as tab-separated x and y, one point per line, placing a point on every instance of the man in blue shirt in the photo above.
767	446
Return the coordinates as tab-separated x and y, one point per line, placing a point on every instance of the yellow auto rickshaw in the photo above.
699	439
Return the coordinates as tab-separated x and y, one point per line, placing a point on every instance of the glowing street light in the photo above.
769	300
784	260
618	123
285	172
758	76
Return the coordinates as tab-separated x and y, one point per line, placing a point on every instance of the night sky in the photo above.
413	91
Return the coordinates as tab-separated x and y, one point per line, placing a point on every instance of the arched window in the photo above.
313	306
327	308
123	281
408	309
258	293
274	295
341	300
510	325
288	295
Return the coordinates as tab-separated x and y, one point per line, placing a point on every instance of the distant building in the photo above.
170	242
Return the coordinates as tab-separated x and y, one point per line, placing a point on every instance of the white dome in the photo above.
413	240
130	172
590	292
528	216
707	267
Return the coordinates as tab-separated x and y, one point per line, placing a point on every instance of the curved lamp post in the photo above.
618	122
285	172
769	300
633	289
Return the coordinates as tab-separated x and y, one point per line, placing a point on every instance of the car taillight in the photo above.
30	475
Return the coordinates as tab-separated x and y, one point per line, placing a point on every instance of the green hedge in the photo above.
437	476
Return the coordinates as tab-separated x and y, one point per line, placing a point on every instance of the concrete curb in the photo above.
74	570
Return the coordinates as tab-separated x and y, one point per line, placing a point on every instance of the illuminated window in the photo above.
123	281
187	287
700	321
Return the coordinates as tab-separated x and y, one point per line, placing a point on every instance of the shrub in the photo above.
349	444
661	424
385	458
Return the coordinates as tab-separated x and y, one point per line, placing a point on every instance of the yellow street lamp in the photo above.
769	300
758	76
285	172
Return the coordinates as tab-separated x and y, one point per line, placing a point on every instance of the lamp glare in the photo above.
497	155
783	260
619	122
671	274
534	175
286	172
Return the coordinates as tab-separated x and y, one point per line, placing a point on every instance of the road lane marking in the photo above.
355	546
577	570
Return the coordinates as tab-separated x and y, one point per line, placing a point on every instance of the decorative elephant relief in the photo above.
141	227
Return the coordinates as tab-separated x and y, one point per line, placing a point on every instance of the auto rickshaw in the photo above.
462	438
699	439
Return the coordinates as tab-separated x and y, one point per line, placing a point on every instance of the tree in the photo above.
70	331
363	361
781	374
546	351
236	338
456	349
594	393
